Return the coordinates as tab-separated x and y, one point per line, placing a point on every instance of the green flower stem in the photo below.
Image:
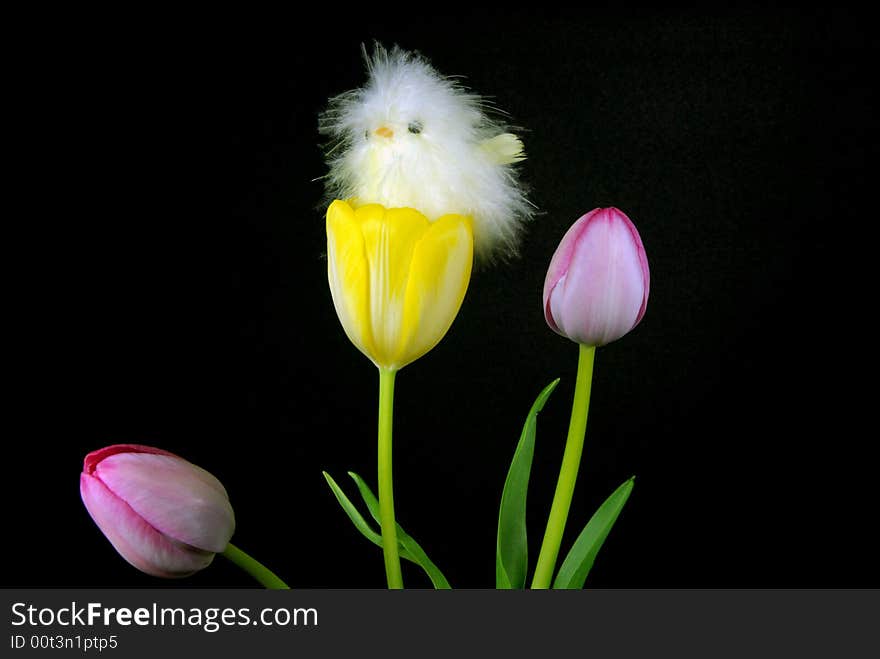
386	487
254	568
571	461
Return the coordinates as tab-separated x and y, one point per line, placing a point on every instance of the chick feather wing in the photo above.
504	149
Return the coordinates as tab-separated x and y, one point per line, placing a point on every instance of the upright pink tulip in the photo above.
596	288
164	515
596	291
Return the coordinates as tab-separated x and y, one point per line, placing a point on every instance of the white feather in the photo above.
455	164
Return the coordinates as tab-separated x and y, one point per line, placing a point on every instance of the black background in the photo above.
173	292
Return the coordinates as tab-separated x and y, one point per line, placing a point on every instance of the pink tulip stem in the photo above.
571	460
254	568
386	488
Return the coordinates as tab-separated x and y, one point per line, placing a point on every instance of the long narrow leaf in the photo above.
357	519
404	540
579	561
511	550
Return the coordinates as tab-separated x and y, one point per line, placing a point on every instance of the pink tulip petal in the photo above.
137	542
643	264
560	262
93	458
175	497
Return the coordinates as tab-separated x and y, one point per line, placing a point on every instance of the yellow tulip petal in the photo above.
390	237
439	276
348	274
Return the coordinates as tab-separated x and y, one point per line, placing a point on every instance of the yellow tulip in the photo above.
397	279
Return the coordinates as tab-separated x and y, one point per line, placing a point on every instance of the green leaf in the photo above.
404	540
359	522
511	550
577	564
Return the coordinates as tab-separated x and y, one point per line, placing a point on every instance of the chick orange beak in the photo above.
384	131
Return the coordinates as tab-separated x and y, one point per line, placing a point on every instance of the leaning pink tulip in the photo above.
596	288
164	515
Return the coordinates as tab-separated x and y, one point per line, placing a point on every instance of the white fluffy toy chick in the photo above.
411	137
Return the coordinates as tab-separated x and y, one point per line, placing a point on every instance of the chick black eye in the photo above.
367	134
415	127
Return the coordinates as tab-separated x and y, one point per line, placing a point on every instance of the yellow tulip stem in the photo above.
386	491
571	460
